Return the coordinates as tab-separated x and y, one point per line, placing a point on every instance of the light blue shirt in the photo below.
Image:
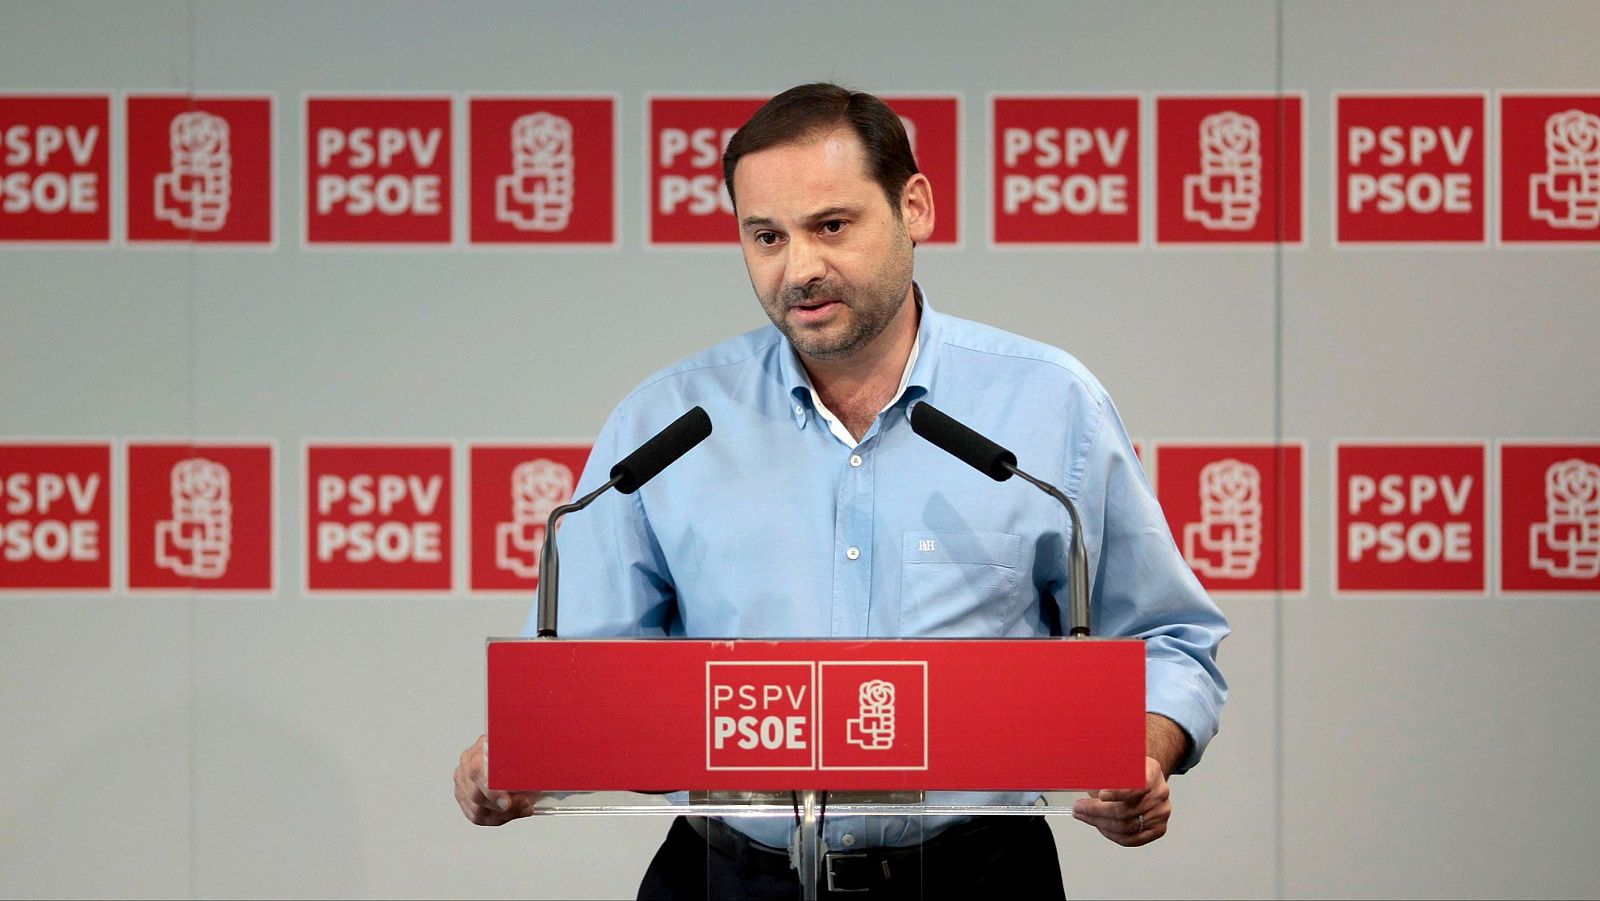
774	527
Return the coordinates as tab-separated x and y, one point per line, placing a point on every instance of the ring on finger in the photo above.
1141	822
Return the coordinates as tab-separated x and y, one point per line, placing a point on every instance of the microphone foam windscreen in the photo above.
661	451
951	436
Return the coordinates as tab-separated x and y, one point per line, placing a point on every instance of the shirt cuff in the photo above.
1173	691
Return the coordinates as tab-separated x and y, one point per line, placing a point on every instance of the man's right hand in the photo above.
481	804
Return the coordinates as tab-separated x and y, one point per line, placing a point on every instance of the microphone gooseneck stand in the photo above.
629	475
1078	576
549	563
994	461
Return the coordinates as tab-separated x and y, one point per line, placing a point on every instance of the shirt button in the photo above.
799	410
848	839
855	459
853	553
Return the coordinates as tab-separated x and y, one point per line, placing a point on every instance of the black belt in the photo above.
856	871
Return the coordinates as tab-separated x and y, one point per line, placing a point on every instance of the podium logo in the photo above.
196	541
55	168
1236	512
193	195
1226	542
55	516
1229	169
537	488
874	728
791	715
759	715
873	714
1226	193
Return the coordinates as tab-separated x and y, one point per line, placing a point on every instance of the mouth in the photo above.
813	310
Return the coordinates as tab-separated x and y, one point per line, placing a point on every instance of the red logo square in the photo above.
1236	512
1550	167
1409	168
1550	517
200	169
543	170
378	170
688	204
55	167
1410	517
55	516
378	517
200	516
759	715
514	488
1229	170
874	715
1066	170
934	126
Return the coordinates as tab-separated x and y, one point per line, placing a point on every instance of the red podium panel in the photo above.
667	714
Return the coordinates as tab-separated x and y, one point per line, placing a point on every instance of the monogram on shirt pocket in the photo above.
958	583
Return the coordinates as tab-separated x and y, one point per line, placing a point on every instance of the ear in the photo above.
916	208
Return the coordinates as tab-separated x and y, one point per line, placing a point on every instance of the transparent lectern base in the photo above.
783	804
807	809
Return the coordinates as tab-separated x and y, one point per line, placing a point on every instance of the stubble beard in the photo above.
868	309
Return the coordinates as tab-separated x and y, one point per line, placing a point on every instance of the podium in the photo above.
809	728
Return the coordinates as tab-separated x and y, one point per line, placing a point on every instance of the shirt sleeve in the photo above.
1143	588
613	577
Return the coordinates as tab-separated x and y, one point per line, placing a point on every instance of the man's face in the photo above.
828	257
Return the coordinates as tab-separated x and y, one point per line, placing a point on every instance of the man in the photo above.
815	511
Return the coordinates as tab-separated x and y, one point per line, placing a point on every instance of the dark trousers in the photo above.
1001	857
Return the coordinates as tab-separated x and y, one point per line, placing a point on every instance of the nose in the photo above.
806	264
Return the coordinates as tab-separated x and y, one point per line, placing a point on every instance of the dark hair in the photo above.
809	108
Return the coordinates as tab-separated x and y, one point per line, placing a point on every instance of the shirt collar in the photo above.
914	380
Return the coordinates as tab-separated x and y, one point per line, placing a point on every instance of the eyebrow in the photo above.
822	215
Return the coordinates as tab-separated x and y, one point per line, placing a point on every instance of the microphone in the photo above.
659	452
628	476
968	446
1000	464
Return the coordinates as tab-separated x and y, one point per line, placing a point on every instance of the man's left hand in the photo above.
1130	817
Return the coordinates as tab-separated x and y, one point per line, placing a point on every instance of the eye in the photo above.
833	226
766	239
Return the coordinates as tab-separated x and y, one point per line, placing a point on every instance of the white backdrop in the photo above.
167	745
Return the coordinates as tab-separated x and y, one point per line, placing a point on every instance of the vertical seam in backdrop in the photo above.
193	599
1277	438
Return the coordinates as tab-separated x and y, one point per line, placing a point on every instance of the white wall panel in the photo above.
296	746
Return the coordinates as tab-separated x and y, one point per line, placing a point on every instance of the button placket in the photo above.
853	531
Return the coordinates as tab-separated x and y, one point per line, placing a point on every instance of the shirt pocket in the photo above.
959	584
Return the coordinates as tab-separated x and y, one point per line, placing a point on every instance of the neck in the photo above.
857	387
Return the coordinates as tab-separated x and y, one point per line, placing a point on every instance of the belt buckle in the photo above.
827	867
